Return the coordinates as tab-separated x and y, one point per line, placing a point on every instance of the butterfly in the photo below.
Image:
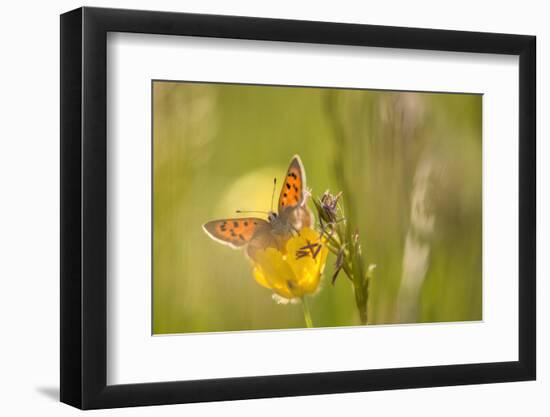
258	234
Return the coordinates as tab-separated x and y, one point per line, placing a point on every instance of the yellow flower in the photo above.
296	270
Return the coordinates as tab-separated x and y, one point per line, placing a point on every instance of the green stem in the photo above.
346	266
333	249
332	240
307	314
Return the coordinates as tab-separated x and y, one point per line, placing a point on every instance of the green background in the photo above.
409	165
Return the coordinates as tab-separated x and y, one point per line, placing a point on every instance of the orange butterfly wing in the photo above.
292	207
235	233
292	193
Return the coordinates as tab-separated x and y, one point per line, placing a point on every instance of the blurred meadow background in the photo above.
410	169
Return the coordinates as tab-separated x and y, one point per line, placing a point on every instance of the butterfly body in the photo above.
255	233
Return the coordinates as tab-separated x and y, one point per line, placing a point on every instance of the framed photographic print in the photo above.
258	207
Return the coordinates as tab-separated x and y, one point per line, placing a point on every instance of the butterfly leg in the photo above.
295	230
307	194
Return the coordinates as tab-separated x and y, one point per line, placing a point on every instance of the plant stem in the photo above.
307	314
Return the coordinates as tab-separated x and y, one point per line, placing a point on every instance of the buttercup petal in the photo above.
297	271
276	272
260	277
307	256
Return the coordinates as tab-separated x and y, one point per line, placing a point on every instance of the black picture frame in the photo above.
84	207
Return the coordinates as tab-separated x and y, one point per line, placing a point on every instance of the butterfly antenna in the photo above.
260	211
251	211
273	193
